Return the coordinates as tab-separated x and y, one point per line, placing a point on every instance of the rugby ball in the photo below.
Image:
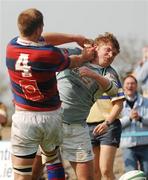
133	175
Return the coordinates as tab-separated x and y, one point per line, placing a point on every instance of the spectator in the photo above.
141	72
3	117
134	139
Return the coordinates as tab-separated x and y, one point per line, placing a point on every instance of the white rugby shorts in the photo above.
76	146
31	129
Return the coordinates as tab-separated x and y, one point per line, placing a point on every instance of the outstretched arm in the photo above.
62	38
116	110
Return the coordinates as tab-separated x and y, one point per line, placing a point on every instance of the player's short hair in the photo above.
29	20
107	38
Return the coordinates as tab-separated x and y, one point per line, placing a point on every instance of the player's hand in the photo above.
100	129
88	54
134	114
80	40
85	71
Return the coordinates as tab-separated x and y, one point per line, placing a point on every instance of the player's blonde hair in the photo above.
108	38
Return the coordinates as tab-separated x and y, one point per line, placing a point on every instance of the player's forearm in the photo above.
115	112
101	80
76	61
107	85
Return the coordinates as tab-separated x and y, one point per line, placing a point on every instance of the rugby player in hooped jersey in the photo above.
32	61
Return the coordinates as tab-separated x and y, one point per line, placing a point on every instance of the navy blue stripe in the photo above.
47	85
108	97
41	66
36	66
30	156
10	63
118	84
104	97
45	47
23	170
121	94
43	86
17	87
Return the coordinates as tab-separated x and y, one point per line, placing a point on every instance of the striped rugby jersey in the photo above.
32	68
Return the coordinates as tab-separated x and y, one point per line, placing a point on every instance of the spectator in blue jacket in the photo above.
134	138
141	72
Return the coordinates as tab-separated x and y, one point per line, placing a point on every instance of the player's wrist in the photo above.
82	58
108	123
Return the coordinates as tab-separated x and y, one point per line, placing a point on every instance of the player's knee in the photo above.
106	172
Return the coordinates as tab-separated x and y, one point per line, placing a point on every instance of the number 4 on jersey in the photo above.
22	65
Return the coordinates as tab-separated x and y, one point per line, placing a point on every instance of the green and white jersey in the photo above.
77	93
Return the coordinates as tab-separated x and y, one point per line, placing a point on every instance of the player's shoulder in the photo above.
112	71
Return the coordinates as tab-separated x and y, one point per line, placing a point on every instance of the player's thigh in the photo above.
96	150
107	156
21	161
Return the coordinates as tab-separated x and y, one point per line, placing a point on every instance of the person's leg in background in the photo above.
130	159
142	153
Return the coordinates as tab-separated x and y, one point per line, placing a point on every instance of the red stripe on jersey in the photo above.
16	76
46	94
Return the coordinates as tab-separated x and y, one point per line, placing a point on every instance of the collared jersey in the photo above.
32	68
77	93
